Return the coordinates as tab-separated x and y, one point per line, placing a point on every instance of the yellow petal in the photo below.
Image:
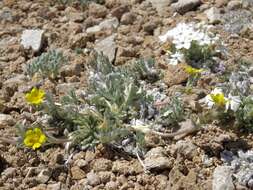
29	132
36	145
37	130
28	142
42	139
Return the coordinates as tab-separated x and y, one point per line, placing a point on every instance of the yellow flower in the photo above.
34	138
216	97
192	71
35	97
219	99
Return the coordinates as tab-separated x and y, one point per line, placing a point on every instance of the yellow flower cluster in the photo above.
35	97
34	138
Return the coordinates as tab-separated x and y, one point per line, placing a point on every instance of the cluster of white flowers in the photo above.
183	35
230	102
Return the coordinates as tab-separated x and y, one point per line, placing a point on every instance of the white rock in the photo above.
33	39
6	120
44	176
213	15
107	46
222	179
110	24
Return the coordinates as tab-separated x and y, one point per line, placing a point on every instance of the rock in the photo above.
93	179
71	70
44	176
222	178
177	180
149	27
235	4
33	39
175	75
186	148
97	10
119	11
161	6
107	46
126	52
108	24
221	3
105	176
102	164
155	159
76	17
6	14
183	6
81	163
56	186
162	181
111	185
9	172
213	15
58	158
77	173
78	40
6	120
93	29
128	18
126	168
111	23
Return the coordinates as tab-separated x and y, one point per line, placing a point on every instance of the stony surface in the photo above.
124	31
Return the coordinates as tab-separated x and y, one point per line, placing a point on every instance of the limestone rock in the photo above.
96	10
93	179
222	179
102	164
183	6
235	4
156	159
128	18
186	148
44	175
77	173
119	11
175	75
213	15
107	46
33	39
6	14
6	120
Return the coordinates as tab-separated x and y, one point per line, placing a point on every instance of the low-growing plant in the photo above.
172	113
47	64
104	113
197	54
244	115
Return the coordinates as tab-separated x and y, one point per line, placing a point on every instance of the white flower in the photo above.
176	58
233	102
183	34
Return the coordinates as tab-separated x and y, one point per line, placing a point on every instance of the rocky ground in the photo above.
124	31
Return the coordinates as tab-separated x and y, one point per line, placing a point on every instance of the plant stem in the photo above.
8	140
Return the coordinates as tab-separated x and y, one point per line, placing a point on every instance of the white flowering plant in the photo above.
232	101
191	43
